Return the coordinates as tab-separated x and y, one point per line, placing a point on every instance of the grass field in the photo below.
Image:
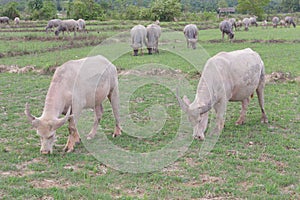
252	161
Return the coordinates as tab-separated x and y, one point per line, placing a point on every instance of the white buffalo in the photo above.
227	76
76	85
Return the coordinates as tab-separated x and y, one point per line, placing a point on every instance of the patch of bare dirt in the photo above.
151	72
22	169
16	69
48	183
281	77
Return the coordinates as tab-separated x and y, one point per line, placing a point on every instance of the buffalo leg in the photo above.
260	95
242	117
98	115
73	138
114	101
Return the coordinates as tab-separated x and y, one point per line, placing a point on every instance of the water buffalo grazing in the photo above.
264	24
289	20
226	28
190	32
53	23
81	25
282	23
138	38
246	22
233	22
275	21
76	85
69	25
239	24
153	34
253	21
227	76
17	20
4	20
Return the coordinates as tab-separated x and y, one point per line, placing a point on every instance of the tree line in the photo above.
164	10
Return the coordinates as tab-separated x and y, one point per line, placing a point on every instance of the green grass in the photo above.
252	161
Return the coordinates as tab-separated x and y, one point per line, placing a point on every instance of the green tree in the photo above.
10	10
222	4
35	5
253	7
48	11
290	5
165	10
85	9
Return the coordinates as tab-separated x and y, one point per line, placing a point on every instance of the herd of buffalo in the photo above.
227	76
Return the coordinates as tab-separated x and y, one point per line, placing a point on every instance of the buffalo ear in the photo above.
29	116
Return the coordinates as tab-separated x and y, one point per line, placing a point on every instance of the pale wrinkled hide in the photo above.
246	22
53	23
4	20
289	20
275	21
138	38
77	85
191	34
153	34
253	21
69	25
81	25
17	20
232	76
226	28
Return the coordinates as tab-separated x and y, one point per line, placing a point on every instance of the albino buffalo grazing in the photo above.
76	85
289	20
227	76
282	23
190	32
239	24
246	22
17	20
275	21
53	23
4	20
138	38
81	25
226	28
232	22
253	21
264	24
153	34
69	25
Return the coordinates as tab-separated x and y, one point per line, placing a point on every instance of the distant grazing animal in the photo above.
190	32
4	20
227	76
239	24
246	22
53	23
264	24
275	21
138	38
233	22
153	34
17	20
81	25
253	21
289	20
69	25
226	28
76	85
282	23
